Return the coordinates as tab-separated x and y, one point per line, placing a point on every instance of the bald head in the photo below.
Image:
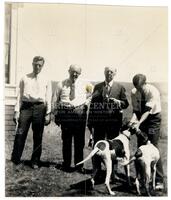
112	69
74	72
109	73
75	68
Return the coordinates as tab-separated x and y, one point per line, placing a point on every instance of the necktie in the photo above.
108	88
106	91
72	92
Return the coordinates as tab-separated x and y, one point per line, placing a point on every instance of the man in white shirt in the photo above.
33	106
70	106
147	115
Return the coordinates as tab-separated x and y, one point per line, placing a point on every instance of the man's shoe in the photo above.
159	186
34	165
16	162
66	168
17	167
80	170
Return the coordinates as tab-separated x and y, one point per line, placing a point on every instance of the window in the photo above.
7	40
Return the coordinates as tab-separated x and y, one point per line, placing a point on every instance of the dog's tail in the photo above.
137	155
130	161
95	150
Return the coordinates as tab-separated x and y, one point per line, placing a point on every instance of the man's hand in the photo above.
90	129
136	126
115	101
47	119
16	117
90	142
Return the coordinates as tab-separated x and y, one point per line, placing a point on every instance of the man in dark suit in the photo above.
108	101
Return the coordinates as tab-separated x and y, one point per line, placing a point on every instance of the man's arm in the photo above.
133	118
91	108
20	91
148	107
142	119
123	98
121	102
48	97
48	102
55	102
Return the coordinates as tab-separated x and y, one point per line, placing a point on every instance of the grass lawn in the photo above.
49	181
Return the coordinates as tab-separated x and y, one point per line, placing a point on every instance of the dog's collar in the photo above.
126	136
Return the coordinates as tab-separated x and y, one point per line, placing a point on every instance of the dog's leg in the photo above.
114	169
154	176
92	177
138	171
108	164
127	172
137	186
96	167
147	179
127	168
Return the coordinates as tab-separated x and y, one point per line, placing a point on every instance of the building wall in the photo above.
134	39
9	124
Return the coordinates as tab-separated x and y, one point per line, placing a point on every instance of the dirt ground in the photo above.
50	181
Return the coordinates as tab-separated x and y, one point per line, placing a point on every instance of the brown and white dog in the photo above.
146	158
107	151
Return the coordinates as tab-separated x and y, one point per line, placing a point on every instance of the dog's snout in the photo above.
138	153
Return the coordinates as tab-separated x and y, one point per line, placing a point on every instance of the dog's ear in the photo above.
120	153
125	121
138	153
132	129
142	138
125	124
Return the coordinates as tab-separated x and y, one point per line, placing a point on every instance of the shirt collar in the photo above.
70	83
110	83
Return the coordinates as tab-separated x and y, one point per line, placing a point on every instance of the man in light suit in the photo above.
71	99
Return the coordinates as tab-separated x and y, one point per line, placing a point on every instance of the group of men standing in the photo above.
75	105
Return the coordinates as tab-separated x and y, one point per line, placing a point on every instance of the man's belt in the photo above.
30	103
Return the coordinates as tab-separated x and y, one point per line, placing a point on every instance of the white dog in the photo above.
116	149
146	158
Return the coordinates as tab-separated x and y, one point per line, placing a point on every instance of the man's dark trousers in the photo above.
151	126
29	113
73	125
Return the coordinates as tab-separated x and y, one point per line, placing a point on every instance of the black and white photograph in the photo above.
85	99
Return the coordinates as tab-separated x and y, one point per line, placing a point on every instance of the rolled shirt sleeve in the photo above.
152	100
56	97
153	103
19	91
48	97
